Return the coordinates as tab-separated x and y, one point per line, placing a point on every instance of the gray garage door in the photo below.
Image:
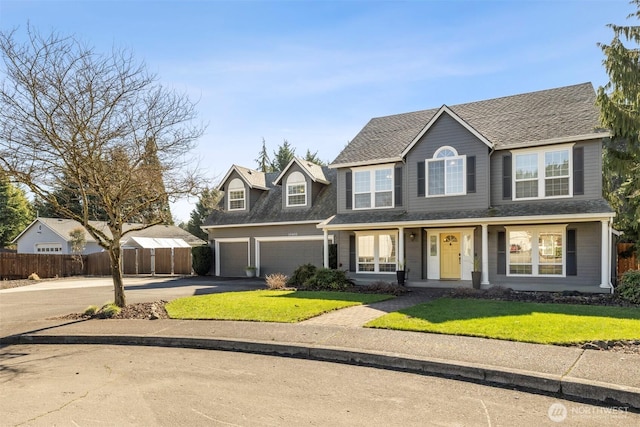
233	259
285	257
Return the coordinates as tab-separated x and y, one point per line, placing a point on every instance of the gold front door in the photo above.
450	256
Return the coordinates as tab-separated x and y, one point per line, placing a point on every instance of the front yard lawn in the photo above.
517	321
266	306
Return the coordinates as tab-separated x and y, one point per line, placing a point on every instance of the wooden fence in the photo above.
20	266
134	261
627	259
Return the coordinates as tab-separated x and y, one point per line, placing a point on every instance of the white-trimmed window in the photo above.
536	251
446	173
236	195
542	173
376	252
296	189
373	187
48	247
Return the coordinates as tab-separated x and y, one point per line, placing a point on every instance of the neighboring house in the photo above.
270	220
51	235
514	183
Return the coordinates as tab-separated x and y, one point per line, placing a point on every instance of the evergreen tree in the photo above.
283	156
619	102
207	203
15	211
313	158
263	160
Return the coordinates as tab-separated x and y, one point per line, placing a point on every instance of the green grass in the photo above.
516	321
266	306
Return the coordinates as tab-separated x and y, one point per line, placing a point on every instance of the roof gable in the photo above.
312	170
253	178
445	110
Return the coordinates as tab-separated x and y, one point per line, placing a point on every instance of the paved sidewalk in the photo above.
613	379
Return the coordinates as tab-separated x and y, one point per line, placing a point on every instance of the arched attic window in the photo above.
296	189
236	195
446	173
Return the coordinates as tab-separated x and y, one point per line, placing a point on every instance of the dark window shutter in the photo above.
502	252
421	181
398	186
349	191
578	171
352	253
471	174
572	258
506	177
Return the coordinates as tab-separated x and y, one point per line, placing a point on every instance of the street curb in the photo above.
567	387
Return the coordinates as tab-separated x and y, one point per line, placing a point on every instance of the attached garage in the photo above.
232	257
285	254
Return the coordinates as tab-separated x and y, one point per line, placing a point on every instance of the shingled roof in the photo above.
529	118
268	208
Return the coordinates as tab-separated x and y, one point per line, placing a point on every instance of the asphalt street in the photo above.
82	385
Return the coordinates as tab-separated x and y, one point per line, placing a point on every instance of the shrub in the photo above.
91	310
202	259
33	276
301	275
109	310
629	287
326	279
276	281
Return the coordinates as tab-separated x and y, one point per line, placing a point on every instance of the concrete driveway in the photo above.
27	308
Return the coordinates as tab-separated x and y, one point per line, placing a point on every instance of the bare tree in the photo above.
100	125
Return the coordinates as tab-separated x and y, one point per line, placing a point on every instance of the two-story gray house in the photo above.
511	186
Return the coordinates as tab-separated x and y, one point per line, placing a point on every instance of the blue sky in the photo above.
315	72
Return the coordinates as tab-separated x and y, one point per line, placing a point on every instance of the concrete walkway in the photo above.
608	378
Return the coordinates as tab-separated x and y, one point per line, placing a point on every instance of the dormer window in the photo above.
446	173
296	190
236	195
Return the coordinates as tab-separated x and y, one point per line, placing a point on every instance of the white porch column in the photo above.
604	255
326	248
401	247
485	254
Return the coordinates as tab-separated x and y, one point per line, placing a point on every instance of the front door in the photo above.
450	256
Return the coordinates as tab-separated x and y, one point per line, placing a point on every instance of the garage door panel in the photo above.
233	258
284	257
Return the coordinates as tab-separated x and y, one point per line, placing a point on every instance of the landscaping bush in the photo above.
629	287
202	259
276	281
33	276
382	287
326	279
91	310
301	275
109	310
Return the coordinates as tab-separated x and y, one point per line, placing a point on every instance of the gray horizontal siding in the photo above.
592	173
588	248
265	231
448	132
